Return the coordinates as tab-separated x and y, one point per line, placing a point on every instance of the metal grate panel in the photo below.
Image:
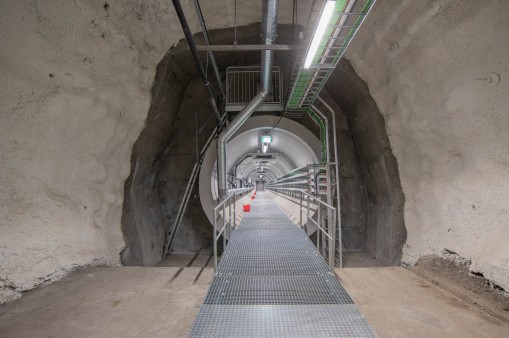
273	282
276	290
280	321
281	265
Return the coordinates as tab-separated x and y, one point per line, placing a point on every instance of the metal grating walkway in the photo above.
272	282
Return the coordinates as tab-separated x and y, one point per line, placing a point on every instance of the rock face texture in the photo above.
438	71
376	172
76	79
178	124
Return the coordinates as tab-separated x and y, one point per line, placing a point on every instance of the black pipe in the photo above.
197	59
207	40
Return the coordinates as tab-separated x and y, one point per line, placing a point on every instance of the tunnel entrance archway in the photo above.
372	200
296	144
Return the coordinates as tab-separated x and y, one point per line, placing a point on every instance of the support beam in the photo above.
246	48
199	65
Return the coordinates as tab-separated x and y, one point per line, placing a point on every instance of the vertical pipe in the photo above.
269	32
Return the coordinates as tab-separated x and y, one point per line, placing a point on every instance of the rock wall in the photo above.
166	150
351	185
142	219
377	173
438	71
75	78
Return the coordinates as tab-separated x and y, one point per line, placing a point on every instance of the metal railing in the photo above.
243	83
327	228
226	208
171	232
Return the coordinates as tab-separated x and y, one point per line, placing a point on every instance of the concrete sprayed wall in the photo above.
438	71
142	219
376	174
75	78
165	153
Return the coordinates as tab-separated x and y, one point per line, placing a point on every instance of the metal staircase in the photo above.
271	281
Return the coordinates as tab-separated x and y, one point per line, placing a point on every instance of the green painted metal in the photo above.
305	76
308	83
320	124
323	140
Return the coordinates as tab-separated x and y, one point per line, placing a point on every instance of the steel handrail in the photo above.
330	233
319	227
231	197
305	193
290	172
289	178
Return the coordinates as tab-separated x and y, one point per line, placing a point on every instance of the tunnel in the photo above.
388	154
373	186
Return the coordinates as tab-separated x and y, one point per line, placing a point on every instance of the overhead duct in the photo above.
269	32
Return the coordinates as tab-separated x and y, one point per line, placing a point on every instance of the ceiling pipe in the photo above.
207	41
269	33
197	59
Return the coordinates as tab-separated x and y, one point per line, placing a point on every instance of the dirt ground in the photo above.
456	278
163	301
399	303
110	302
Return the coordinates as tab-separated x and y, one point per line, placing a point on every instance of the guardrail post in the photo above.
224	229
318	231
234	211
301	225
307	213
332	242
230	211
214	237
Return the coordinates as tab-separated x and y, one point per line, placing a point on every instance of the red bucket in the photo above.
255	193
252	197
247	207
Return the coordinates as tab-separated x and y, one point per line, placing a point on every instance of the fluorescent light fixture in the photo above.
319	32
261	176
266	139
